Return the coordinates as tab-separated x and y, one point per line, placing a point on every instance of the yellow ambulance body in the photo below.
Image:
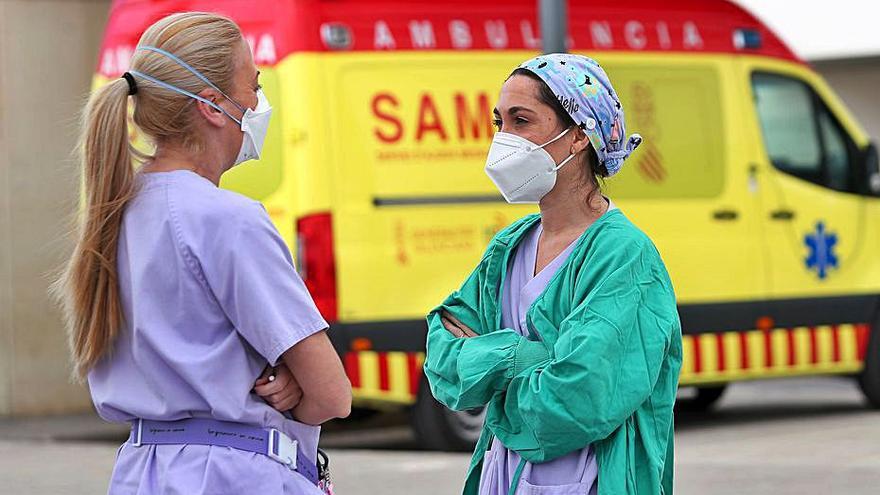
755	182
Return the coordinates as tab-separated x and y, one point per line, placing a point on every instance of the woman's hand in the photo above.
455	327
283	392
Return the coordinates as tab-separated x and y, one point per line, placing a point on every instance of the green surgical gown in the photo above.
603	372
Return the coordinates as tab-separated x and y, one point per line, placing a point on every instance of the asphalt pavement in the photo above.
795	436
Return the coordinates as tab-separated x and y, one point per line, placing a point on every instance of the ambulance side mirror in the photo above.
872	169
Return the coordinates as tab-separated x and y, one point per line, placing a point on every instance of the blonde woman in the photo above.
180	294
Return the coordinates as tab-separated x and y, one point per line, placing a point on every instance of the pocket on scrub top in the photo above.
526	488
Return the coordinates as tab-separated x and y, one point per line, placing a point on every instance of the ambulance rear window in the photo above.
677	110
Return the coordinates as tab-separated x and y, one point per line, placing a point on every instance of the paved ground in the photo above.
771	438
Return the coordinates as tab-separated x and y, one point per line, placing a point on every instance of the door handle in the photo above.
725	215
782	214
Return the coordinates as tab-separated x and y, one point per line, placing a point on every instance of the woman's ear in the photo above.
212	115
580	141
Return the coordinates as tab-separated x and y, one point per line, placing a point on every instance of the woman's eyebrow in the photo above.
514	110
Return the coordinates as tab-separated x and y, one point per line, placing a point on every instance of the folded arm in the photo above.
605	364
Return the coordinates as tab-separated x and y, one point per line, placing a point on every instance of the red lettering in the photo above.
389	118
429	119
479	125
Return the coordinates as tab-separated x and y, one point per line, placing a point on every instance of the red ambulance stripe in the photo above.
835	344
814	346
862	333
768	349
791	347
719	344
744	350
698	358
352	369
384	382
415	372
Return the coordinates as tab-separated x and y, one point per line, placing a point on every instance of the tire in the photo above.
869	378
439	428
704	400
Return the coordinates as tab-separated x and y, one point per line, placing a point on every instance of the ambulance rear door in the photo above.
414	209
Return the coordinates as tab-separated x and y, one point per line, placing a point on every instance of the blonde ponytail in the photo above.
88	286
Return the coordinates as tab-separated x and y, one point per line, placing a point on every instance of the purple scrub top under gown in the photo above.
210	297
575	473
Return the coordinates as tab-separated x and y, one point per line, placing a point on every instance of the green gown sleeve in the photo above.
604	365
465	373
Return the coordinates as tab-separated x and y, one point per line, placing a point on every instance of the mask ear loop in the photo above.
557	138
561	164
183	92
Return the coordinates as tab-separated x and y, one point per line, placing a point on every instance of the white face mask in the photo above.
254	124
523	171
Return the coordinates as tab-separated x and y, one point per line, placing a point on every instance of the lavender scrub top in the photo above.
574	473
210	297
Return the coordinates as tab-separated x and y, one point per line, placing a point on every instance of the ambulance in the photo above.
760	189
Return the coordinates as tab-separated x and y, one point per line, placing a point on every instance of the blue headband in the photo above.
585	92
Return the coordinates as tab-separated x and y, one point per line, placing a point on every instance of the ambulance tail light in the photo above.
316	263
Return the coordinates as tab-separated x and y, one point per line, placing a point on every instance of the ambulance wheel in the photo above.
869	379
439	428
703	400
